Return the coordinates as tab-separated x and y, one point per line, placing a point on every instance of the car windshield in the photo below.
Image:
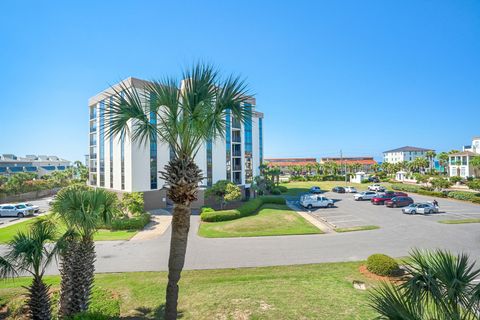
29	204
20	206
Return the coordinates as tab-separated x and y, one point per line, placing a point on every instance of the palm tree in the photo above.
29	253
81	209
439	286
475	163
443	158
430	154
375	167
187	117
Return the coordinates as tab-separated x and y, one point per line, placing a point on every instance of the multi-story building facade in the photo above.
39	165
122	164
404	154
459	162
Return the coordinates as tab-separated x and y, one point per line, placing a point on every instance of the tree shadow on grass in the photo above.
149	313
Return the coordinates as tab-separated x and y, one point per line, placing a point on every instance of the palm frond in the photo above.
392	303
7	268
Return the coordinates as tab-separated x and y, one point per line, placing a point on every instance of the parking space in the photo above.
350	213
41	203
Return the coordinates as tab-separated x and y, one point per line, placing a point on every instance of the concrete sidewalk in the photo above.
157	227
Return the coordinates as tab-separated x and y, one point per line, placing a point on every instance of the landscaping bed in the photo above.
270	220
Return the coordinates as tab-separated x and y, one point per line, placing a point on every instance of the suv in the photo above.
310	201
338	189
350	189
374	179
365	195
376	187
36	209
315	190
399	202
15	210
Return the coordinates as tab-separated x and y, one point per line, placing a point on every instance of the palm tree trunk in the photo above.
176	260
39	300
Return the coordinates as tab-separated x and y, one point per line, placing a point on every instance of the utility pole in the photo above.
344	166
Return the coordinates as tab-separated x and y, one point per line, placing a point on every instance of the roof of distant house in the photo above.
464	153
351	160
407	149
285	162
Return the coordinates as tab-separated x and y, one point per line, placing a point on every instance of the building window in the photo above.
228	130
260	138
153	145
93	146
111	144
122	157
248	145
102	143
209	162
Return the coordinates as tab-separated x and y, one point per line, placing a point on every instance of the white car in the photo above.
365	195
376	187
15	210
351	190
36	209
310	201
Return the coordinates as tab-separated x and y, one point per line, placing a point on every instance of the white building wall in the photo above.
255	146
219	159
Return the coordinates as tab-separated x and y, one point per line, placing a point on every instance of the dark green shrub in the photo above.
246	209
382	265
463	195
282	189
405	187
207	209
134	223
455	179
474	184
437	194
276	191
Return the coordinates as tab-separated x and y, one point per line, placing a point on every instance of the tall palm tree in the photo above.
443	157
187	117
475	163
29	253
430	154
439	286
81	209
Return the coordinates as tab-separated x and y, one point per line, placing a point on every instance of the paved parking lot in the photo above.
42	203
350	213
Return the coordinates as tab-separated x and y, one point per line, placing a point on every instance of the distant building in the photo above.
40	165
404	154
363	163
286	164
459	162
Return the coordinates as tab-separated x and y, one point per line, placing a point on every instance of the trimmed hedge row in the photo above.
462	195
244	210
330	177
133	223
459	195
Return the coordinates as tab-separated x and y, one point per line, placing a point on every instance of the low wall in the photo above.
34	195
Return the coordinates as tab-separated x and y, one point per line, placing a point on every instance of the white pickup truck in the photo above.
310	201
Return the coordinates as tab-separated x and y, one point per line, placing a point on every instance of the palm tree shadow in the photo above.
149	313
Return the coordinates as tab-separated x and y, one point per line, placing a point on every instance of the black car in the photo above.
374	179
339	189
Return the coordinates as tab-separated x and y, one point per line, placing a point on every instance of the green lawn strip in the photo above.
271	220
459	221
318	291
7	233
359	228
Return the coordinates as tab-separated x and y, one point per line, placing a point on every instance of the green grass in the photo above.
271	220
7	233
317	291
296	188
459	221
359	228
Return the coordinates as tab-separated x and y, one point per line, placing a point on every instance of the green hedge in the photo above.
382	264
246	209
405	187
464	195
437	194
133	223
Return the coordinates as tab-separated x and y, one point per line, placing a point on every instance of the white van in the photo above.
310	201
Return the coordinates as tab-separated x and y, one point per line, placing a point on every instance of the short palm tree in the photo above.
29	254
439	286
186	118
81	209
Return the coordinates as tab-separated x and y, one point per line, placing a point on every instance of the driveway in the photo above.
397	235
42	203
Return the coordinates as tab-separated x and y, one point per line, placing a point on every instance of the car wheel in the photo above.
360	199
309	207
394	205
330	205
413	212
428	212
20	215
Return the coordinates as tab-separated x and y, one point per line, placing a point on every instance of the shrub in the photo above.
382	264
132	203
474	184
282	189
207	209
134	223
276	191
437	194
463	195
455	179
246	209
405	187
441	183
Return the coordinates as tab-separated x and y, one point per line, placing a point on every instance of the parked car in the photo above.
15	210
380	198
316	190
396	193
339	189
365	195
374	179
399	201
376	187
424	208
351	189
312	201
36	209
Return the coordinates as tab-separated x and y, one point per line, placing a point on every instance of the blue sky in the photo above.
361	76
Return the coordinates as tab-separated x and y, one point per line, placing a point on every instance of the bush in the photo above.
247	209
405	187
276	191
207	209
463	195
455	179
382	264
134	223
474	184
282	189
437	194
132	203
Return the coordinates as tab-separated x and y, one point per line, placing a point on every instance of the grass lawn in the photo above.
359	228
271	220
296	188
459	221
319	291
7	233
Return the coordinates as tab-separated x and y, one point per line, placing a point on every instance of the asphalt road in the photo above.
42	203
397	235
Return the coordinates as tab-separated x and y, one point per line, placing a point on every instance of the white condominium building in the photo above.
39	165
459	162
404	154
125	165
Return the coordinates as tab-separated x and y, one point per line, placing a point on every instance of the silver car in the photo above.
365	195
423	208
15	210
